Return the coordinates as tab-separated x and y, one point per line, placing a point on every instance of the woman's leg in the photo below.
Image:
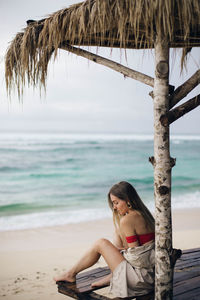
102	247
117	241
102	282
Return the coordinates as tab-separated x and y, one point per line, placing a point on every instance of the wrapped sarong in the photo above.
134	276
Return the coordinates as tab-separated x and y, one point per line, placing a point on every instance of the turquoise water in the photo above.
52	179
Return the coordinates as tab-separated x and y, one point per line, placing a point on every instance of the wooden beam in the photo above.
184	89
127	72
179	111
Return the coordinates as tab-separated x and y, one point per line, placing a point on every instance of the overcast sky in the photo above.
81	95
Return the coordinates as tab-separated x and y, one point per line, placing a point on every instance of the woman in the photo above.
131	257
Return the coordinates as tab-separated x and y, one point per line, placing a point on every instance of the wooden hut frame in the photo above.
130	24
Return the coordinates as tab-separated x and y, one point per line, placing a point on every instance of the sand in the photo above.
30	258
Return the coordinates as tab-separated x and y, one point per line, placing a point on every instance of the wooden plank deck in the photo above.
186	280
187	276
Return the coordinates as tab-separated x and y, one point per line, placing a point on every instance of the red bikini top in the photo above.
142	238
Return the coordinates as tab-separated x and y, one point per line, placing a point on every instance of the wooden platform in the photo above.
186	280
187	276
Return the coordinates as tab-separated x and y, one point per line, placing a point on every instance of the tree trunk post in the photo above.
162	176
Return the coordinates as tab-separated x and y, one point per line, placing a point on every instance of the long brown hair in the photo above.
126	192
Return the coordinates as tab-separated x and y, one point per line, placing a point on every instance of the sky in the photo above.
81	95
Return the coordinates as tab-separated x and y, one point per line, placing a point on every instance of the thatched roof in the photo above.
130	24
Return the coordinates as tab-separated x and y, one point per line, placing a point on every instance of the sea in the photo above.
49	179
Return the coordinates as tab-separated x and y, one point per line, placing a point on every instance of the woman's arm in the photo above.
117	241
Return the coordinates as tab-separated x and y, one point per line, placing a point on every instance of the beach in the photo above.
31	258
54	201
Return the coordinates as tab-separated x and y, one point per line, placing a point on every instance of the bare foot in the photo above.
104	281
65	277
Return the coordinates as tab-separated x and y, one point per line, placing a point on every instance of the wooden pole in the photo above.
127	72
162	175
180	111
184	89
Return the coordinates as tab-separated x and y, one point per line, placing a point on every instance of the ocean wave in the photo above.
44	138
47	175
71	138
183	178
20	208
143	181
44	219
185	137
9	169
186	200
185	183
25	216
179	201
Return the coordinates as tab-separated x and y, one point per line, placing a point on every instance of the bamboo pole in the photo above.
162	176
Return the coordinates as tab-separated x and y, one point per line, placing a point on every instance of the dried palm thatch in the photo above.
110	23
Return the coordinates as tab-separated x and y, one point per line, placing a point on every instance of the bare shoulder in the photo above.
130	218
134	217
127	224
133	223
